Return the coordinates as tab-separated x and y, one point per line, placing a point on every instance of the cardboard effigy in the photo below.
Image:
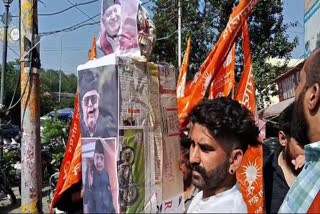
130	136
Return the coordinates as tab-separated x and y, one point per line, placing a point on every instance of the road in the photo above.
6	207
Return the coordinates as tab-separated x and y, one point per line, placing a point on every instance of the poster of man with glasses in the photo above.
118	27
98	95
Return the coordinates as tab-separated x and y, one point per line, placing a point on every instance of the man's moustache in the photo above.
198	168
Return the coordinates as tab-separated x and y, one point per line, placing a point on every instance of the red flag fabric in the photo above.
246	91
70	171
181	84
249	175
315	206
224	81
198	87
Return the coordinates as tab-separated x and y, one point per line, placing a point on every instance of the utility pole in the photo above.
60	71
31	173
6	20
179	33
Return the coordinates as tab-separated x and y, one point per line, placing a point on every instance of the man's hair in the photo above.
285	119
312	68
228	122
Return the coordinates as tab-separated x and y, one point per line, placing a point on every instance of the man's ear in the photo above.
235	160
282	138
313	97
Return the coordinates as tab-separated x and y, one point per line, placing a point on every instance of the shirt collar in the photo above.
229	191
312	152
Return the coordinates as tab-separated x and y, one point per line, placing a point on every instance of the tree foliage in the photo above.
205	20
49	83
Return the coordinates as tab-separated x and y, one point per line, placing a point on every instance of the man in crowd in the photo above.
283	166
303	196
220	131
97	191
189	189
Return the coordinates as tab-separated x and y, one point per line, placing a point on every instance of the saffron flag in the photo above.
223	83
70	171
93	51
249	174
198	87
315	206
181	84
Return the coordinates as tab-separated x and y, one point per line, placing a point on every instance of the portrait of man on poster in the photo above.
118	30
98	111
97	189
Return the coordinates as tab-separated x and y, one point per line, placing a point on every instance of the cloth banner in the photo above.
197	88
181	84
70	171
249	175
224	81
118	28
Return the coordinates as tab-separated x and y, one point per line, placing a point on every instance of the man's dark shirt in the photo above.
99	197
276	187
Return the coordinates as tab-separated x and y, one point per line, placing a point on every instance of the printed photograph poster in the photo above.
118	27
99	175
131	171
135	96
98	99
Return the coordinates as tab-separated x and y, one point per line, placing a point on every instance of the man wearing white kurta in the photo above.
220	131
230	201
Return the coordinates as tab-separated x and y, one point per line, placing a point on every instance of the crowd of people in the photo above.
220	131
216	139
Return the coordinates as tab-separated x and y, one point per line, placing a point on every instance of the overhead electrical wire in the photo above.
81	10
73	27
66	9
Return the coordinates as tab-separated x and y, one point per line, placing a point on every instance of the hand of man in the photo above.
299	162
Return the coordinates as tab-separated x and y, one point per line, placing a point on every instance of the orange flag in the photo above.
70	171
198	87
224	81
93	51
249	175
181	84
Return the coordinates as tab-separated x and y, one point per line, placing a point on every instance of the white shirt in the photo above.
230	201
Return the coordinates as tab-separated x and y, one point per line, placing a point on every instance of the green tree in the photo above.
205	20
49	83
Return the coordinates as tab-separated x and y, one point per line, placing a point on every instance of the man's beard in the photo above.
299	125
288	158
211	179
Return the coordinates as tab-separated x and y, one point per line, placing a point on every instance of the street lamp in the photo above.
5	20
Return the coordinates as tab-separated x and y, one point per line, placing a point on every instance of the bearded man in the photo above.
303	196
220	131
282	167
